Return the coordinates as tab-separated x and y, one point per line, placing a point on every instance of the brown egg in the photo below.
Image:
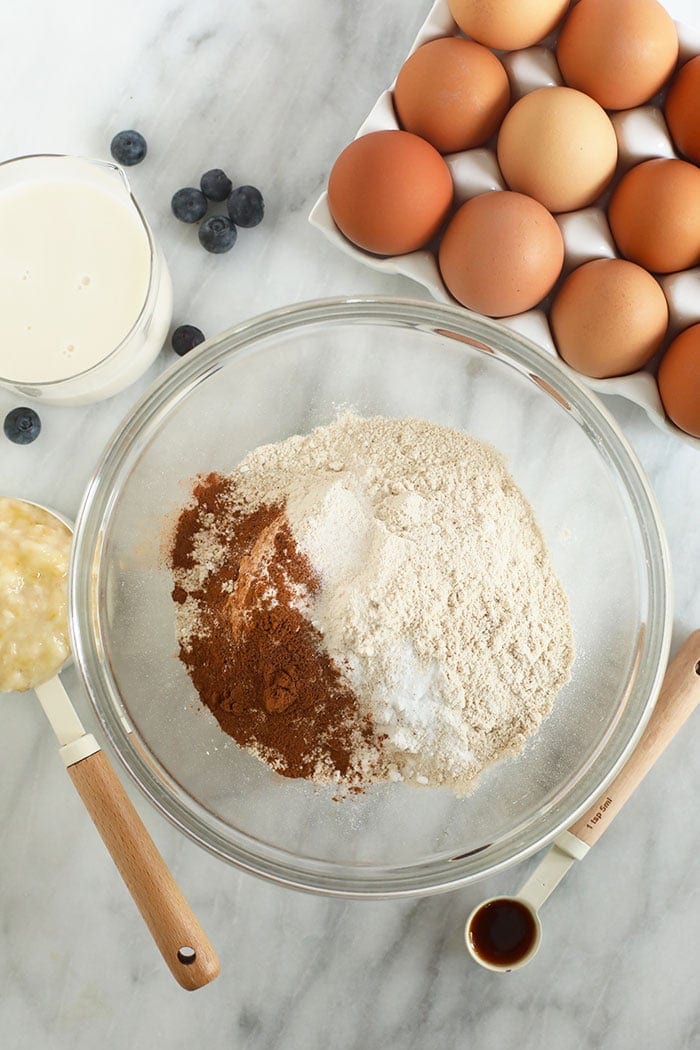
683	110
453	93
558	146
501	254
654	215
609	318
679	380
508	25
620	52
389	192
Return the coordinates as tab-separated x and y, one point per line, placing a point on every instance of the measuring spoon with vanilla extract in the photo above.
504	933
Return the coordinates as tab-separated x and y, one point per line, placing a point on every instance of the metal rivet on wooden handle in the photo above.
679	696
180	939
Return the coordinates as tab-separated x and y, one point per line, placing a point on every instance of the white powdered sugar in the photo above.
437	598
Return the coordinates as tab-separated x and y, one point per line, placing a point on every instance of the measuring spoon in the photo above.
173	926
504	933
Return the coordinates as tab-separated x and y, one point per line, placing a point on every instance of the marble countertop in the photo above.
272	92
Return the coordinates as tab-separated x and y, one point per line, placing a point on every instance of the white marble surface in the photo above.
272	92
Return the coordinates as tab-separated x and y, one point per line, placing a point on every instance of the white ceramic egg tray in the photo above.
642	134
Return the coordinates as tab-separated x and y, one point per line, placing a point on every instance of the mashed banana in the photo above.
34	552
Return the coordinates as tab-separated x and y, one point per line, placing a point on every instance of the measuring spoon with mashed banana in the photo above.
504	933
34	646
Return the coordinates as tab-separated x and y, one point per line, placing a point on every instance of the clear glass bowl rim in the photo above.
260	858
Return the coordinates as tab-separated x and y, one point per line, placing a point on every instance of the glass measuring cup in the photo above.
56	372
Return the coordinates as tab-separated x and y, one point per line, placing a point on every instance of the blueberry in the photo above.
128	148
189	205
215	184
22	425
217	234
246	206
185	338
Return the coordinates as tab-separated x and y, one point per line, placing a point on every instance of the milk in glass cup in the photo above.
85	293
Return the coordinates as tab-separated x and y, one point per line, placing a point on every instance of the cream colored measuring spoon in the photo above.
504	933
173	926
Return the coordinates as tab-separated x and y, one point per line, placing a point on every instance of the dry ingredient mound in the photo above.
371	601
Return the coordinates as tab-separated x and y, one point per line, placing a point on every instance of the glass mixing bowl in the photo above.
283	374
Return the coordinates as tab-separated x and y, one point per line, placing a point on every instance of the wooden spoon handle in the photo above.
679	696
181	940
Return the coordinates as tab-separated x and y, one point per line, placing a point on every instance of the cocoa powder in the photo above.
253	656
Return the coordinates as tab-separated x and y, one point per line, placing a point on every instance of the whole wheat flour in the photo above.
435	598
